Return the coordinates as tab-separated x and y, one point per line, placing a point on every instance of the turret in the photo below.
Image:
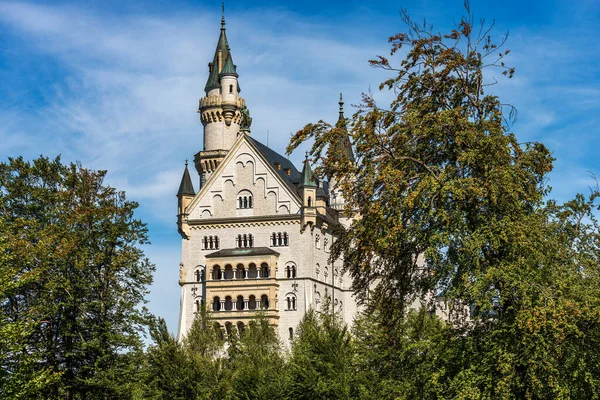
344	147
308	192
185	195
220	110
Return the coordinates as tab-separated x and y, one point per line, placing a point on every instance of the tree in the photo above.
451	203
77	281
191	369
256	361
321	364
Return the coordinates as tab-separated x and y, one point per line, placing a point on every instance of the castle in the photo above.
257	234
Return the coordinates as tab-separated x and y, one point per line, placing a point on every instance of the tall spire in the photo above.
223	16
344	142
341	103
185	187
221	58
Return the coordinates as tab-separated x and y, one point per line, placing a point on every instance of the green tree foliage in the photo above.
321	362
190	369
257	363
450	202
73	283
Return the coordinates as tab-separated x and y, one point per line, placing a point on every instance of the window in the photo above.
216	304
245	240
264	302
197	305
318	241
309	201
290	302
239	303
290	271
210	243
264	270
198	275
291	330
228	303
230	88
245	200
280	239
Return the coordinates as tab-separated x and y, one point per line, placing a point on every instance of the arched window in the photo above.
198	276
250	240
218	330
252	302
264	270
228	303
228	272
309	201
239	240
217	242
291	330
240	327
205	242
252	271
228	329
291	301
274	239
293	267
245	199
279	239
216	304
197	305
239	304
240	272
245	240
230	88
264	302
216	273
285	239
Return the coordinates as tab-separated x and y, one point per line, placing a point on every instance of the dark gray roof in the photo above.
185	187
251	251
293	179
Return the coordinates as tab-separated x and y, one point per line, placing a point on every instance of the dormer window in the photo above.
287	171
277	166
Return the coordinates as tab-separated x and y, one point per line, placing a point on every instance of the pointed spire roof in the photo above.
307	175
223	48
229	68
344	143
185	187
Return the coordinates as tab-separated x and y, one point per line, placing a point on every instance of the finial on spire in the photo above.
186	162
306	154
341	103
223	15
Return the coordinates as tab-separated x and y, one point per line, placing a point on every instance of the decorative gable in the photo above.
244	185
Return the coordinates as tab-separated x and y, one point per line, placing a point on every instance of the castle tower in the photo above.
221	110
308	192
342	147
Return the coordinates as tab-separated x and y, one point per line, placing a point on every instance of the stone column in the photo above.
245	273
222	305
222	274
246	304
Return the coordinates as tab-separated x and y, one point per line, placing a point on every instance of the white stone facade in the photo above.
231	228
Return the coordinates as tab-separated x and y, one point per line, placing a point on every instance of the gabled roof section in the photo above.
186	188
293	179
268	156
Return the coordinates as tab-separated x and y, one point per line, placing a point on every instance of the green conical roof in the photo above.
307	175
229	68
223	48
185	187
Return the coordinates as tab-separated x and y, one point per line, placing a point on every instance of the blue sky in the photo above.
116	85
